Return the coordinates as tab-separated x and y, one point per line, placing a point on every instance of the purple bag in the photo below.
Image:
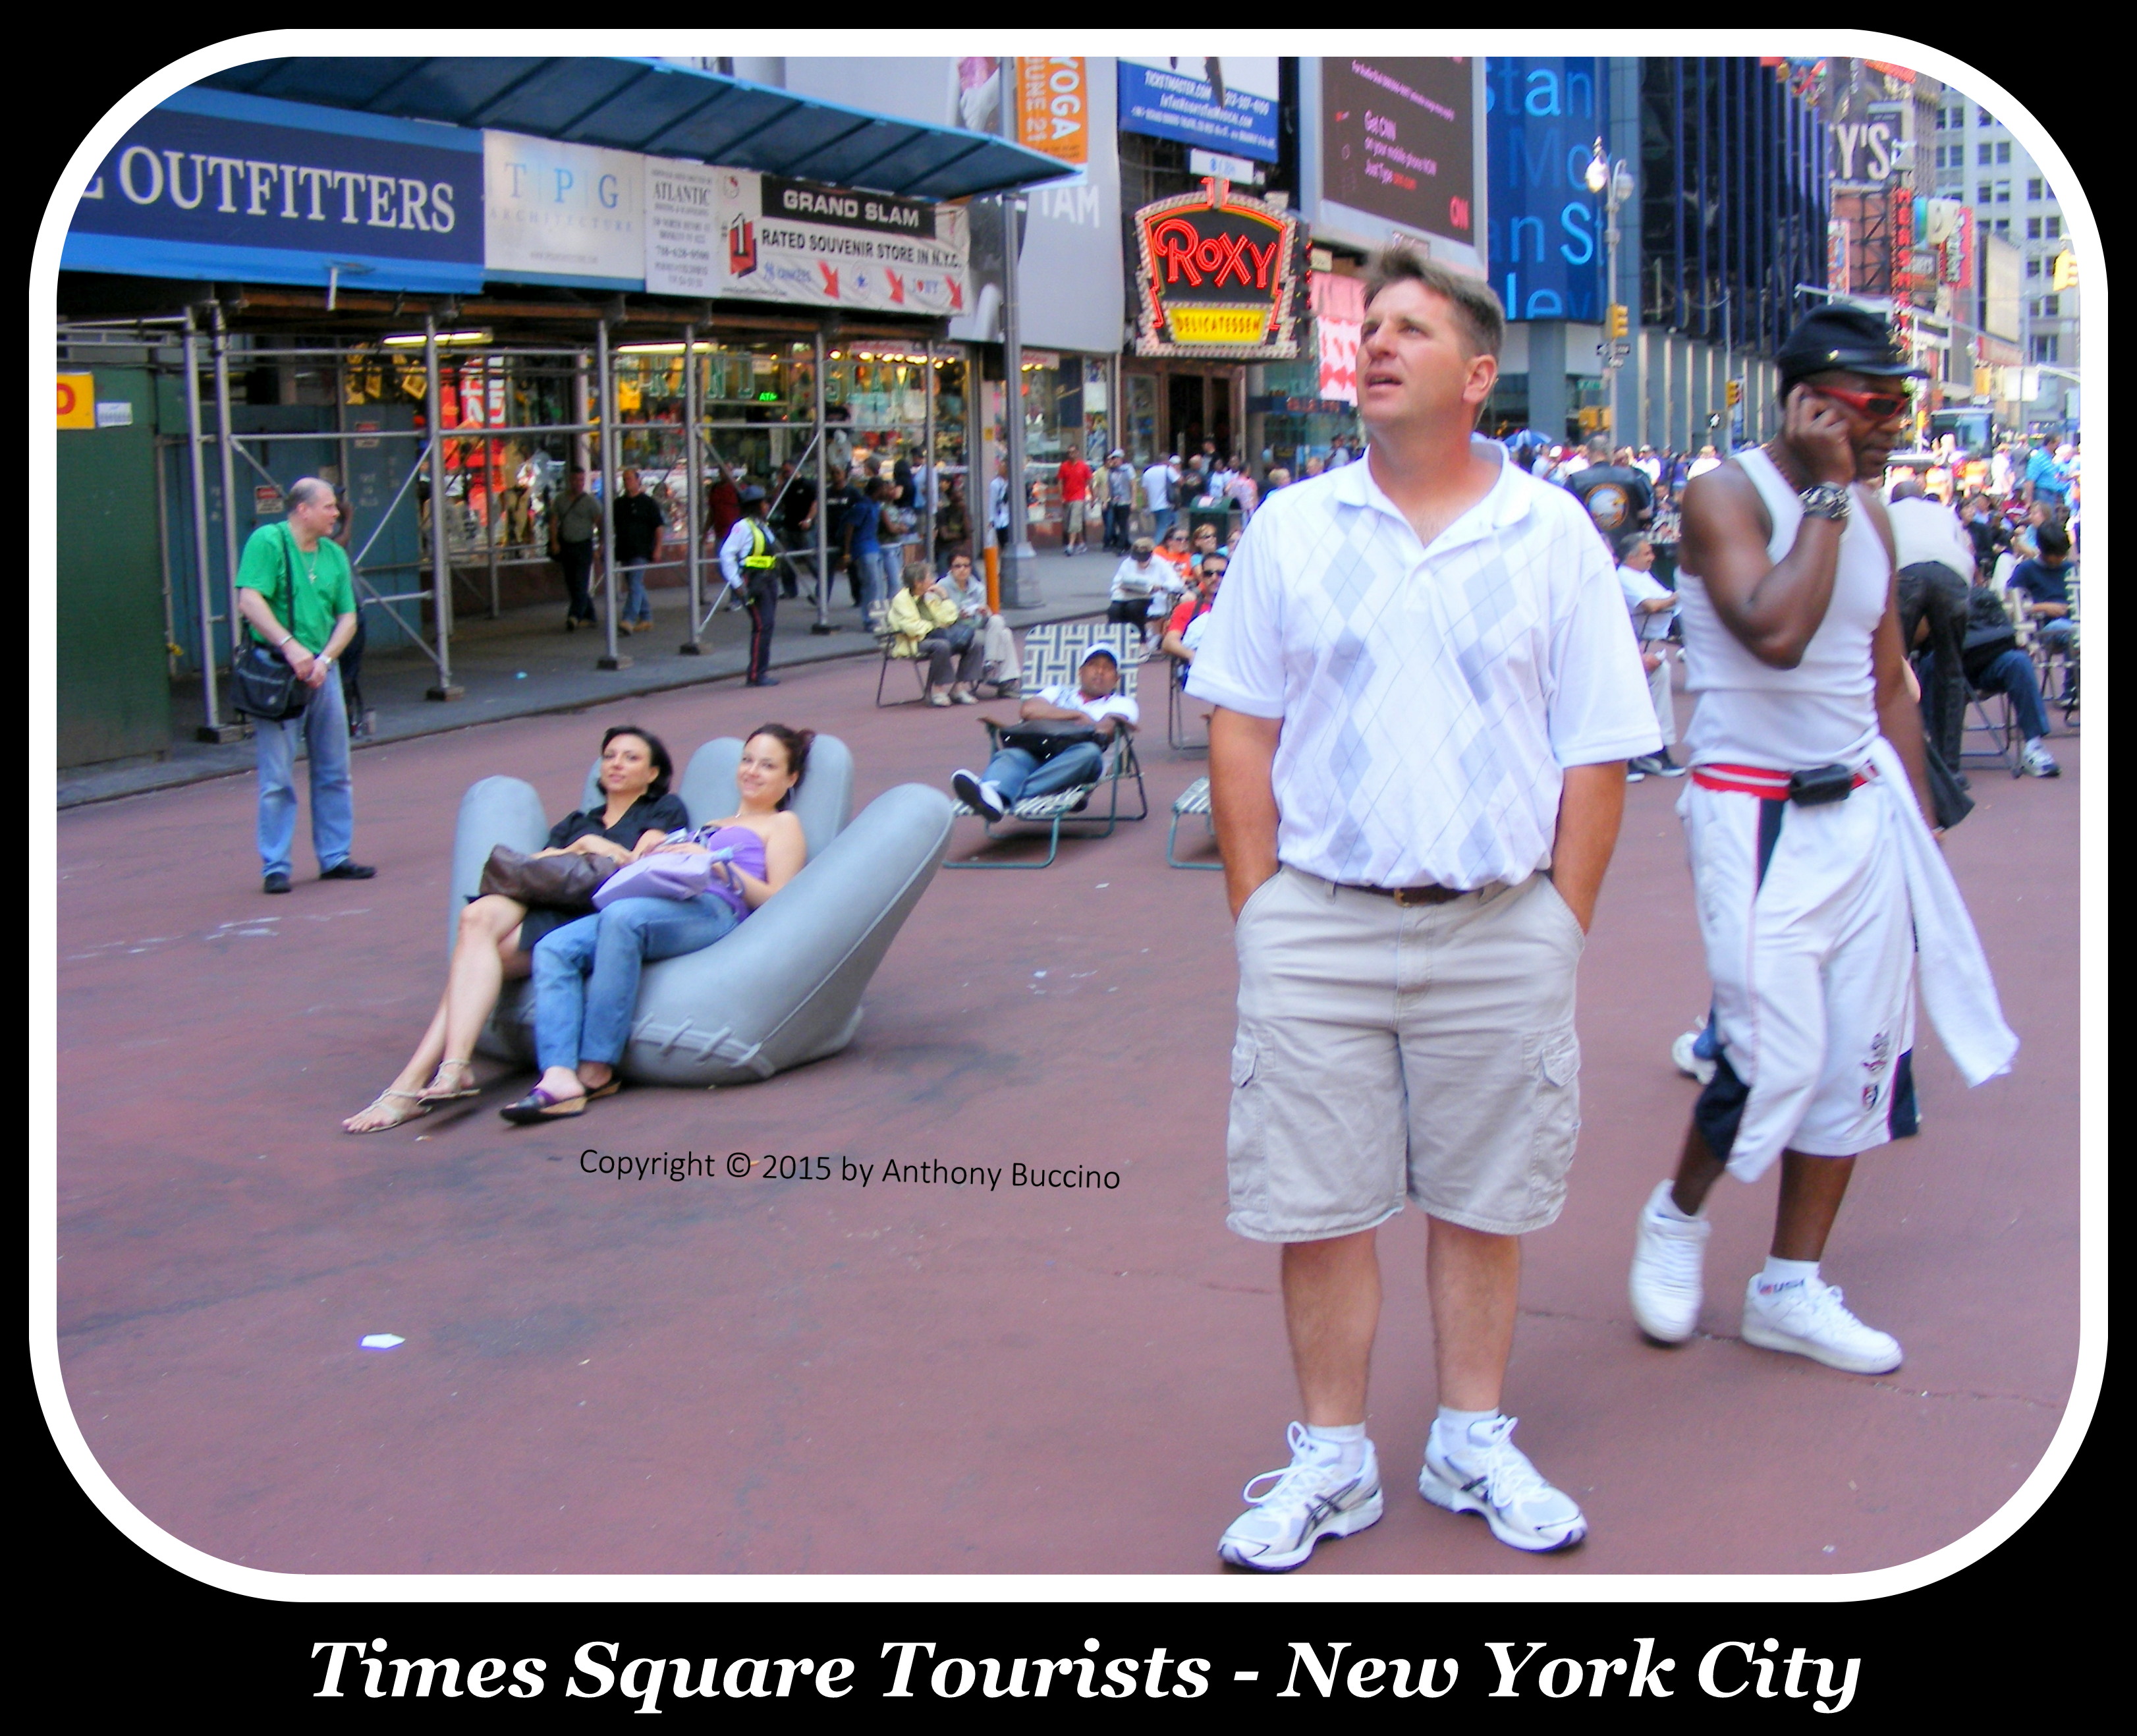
669	873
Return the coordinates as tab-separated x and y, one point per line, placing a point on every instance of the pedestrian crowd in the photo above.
1416	806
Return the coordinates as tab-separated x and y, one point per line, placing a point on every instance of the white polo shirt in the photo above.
1430	697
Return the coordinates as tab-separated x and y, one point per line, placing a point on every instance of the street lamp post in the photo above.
1613	180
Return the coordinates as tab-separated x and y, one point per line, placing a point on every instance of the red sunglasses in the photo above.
1883	405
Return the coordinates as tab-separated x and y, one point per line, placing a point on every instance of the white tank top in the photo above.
1824	710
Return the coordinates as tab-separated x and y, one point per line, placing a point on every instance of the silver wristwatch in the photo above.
1826	501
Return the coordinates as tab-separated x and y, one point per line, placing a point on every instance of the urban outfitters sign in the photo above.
1218	276
219	186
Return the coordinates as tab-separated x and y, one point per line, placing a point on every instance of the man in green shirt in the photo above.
298	596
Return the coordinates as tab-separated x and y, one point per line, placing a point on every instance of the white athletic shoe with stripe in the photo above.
1488	1474
1310	1499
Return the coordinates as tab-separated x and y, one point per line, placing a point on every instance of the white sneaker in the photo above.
982	798
1667	1257
1689	1061
1809	1320
1312	1498
1488	1474
2038	763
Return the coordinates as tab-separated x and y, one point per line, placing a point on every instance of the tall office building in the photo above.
1980	163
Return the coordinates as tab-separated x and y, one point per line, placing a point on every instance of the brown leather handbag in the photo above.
565	881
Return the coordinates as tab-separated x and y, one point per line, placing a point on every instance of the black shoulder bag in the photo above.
262	685
1048	736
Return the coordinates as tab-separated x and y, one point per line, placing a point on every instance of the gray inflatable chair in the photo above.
785	986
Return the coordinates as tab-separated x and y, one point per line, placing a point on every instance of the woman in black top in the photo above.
497	934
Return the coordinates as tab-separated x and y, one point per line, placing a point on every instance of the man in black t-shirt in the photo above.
639	523
798	525
1619	496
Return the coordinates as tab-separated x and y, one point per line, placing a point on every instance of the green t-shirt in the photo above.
325	588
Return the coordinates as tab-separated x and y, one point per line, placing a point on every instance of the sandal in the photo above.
431	1093
538	1106
421	1108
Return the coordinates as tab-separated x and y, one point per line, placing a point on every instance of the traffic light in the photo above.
1985	381
2067	270
1734	393
1621	320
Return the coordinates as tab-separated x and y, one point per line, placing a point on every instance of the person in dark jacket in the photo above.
639	523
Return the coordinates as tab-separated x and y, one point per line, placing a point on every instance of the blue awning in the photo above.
662	110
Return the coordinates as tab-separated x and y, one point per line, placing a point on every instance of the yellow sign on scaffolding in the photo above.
77	401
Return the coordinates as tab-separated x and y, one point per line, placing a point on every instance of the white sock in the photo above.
1344	1442
1676	1213
1452	1426
1779	1273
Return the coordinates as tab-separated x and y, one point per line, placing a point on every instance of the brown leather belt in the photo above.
1408	896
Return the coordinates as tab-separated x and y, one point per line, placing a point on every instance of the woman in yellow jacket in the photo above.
926	625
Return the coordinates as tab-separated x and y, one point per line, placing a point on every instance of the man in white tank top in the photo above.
1797	818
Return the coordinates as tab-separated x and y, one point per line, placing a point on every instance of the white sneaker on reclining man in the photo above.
1472	1465
1331	1488
1788	1307
981	797
2037	761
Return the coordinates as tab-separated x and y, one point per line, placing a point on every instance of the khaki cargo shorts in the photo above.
1387	1052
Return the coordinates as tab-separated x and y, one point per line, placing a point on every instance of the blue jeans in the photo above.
586	974
635	607
1017	773
324	727
2012	673
1160	521
878	585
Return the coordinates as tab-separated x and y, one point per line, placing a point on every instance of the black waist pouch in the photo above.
1820	785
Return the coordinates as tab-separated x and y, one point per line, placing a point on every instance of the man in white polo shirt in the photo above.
1427	688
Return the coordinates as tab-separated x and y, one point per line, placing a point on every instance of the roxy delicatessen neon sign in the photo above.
1218	276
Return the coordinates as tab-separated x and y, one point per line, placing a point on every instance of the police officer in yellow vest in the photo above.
750	565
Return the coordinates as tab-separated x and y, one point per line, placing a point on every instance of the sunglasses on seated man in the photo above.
1883	405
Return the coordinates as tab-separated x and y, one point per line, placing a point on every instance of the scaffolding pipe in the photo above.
823	622
441	584
694	486
212	728
928	458
584	425
224	445
612	658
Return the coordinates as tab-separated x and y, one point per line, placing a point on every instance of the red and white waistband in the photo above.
1762	781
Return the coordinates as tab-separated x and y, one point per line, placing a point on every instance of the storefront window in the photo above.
1297	422
1507	410
1139	416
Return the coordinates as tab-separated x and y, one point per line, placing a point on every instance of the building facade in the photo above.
1978	163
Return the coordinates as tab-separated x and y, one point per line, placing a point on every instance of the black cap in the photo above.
1837	336
751	494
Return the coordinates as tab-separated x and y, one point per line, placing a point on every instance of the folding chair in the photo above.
879	625
1176	710
1990	716
1051	655
2054	661
1194	799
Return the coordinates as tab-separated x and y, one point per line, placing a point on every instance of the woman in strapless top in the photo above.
586	973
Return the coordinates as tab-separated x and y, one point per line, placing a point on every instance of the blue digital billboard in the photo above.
1542	116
